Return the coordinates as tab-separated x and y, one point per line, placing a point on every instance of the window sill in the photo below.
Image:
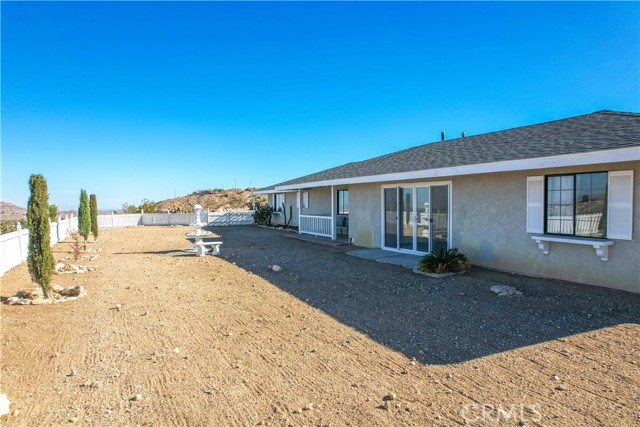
600	245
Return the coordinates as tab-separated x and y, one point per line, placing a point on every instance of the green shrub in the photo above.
10	225
39	259
53	213
262	214
93	207
444	261
84	217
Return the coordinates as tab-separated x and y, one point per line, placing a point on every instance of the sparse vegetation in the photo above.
39	259
93	207
10	225
444	261
84	217
76	246
53	213
262	214
146	206
287	219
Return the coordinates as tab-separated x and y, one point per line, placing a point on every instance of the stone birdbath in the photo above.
198	234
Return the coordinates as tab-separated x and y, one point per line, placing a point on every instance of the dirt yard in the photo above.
329	340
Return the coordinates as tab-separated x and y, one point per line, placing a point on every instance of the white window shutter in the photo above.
620	205
535	204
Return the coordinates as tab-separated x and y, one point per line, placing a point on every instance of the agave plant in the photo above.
444	261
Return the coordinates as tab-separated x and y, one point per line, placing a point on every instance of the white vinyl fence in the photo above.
13	246
209	218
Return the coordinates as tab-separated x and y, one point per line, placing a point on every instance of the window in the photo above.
305	199
278	200
343	202
576	204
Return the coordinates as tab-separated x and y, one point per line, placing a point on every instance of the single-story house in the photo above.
555	199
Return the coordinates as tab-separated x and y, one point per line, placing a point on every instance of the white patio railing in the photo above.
586	224
317	225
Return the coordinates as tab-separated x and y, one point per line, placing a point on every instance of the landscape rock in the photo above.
505	291
74	291
4	404
275	268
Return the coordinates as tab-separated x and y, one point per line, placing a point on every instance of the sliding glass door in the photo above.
391	218
416	218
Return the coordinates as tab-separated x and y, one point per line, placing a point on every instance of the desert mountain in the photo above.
11	211
213	200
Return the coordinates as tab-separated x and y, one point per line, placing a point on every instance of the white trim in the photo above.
601	246
267	192
333	213
414	185
620	205
537	206
580	159
299	208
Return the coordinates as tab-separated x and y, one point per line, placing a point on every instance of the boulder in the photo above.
505	291
74	291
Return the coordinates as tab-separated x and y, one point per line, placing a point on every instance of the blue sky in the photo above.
141	100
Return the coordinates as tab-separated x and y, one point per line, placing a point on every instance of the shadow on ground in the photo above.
437	321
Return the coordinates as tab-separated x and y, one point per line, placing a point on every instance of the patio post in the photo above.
299	208
333	213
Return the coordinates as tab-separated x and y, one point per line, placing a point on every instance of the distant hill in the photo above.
213	200
11	211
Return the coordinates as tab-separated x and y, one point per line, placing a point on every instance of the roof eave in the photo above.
575	159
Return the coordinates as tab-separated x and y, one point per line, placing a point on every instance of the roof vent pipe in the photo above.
442	136
464	134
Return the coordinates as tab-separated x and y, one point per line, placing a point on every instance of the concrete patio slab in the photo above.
380	255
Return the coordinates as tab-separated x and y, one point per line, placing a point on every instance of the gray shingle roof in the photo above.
602	130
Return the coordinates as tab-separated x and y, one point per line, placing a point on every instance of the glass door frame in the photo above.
414	185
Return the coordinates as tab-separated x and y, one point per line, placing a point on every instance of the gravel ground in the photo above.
329	340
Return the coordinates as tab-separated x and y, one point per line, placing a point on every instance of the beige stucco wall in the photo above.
319	201
489	225
365	219
289	200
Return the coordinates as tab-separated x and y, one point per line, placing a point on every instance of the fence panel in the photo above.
230	218
14	246
14	249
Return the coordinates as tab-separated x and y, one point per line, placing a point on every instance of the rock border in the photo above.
438	275
35	296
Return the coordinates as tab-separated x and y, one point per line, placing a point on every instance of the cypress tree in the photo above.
39	259
84	217
93	206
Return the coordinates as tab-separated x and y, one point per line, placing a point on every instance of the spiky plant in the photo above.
444	261
39	259
93	207
84	217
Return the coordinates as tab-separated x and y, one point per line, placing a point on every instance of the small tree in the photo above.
93	206
39	259
53	213
84	217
